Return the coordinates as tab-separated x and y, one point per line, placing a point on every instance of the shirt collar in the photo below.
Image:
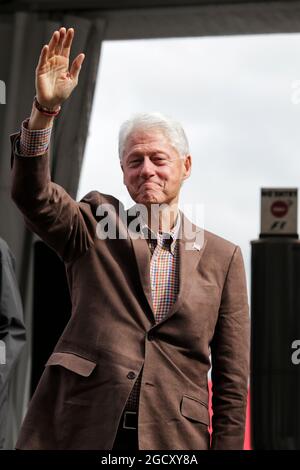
173	233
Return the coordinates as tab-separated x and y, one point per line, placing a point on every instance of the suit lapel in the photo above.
191	247
142	255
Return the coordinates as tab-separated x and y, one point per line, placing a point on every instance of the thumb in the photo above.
76	66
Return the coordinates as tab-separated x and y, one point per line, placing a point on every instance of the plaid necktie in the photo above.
164	276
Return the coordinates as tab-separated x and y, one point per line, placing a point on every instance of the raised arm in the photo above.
48	209
54	82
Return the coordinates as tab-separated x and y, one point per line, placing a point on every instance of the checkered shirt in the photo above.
34	142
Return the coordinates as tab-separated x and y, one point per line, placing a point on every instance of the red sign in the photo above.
279	208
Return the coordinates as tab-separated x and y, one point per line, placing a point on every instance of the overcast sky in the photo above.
233	96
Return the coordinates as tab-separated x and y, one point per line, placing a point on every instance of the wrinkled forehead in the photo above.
152	140
146	136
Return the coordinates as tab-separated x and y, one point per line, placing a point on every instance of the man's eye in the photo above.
159	160
134	162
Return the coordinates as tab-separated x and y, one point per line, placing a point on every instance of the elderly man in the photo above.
153	295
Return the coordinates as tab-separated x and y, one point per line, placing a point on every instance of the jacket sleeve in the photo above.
12	328
230	355
48	210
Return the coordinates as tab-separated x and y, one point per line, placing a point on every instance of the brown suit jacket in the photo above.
112	332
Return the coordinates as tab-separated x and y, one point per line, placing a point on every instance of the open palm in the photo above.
54	82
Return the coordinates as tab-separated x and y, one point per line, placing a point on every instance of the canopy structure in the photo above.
128	19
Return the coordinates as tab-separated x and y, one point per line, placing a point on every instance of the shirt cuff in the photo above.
34	142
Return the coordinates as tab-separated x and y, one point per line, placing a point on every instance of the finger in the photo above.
43	56
52	44
67	43
76	66
58	47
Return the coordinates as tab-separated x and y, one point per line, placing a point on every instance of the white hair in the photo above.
145	121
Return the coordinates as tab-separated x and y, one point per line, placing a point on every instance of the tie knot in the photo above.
164	240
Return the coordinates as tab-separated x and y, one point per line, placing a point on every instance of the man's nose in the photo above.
147	167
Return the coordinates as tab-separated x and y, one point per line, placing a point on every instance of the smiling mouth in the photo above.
147	183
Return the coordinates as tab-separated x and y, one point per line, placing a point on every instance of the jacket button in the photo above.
150	336
131	375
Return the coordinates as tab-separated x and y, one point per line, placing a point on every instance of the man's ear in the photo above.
121	165
187	166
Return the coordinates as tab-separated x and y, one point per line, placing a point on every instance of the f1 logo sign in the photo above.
278	225
279	211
